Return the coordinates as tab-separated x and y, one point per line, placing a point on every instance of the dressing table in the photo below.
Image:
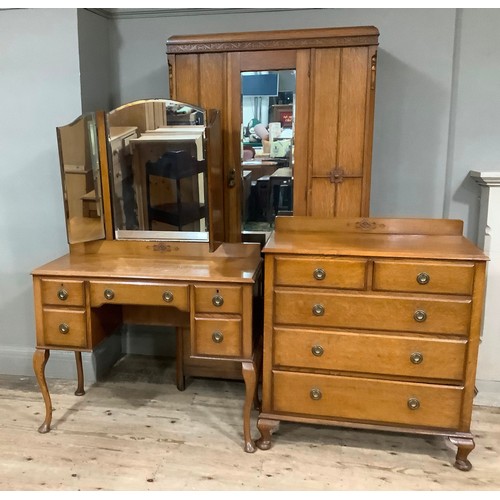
121	270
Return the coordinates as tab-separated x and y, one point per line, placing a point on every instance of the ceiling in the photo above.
135	13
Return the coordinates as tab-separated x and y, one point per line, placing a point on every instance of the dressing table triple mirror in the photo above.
143	199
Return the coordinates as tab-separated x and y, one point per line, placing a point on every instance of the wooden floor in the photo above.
135	431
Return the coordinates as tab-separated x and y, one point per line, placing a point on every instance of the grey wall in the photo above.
93	43
39	90
436	117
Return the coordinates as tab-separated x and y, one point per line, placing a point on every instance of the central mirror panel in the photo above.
158	170
267	133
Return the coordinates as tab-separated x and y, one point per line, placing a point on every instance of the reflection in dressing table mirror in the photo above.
267	133
80	174
158	170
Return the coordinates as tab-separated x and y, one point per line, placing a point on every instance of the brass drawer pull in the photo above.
317	350
109	294
64	328
217	337
319	274
168	296
423	278
315	394
62	294
217	300
420	316
413	404
318	310
416	358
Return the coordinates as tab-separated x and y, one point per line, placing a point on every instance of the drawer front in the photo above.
424	277
218	299
64	327
153	294
436	358
63	292
367	400
321	272
217	337
405	314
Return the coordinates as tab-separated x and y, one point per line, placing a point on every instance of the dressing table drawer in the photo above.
218	299
63	292
321	272
364	399
139	293
393	313
423	277
217	337
430	358
65	327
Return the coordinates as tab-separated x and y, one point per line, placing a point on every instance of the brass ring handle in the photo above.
423	278
416	358
413	404
168	296
420	316
62	294
217	300
319	274
315	394
64	328
318	310
109	294
317	350
217	337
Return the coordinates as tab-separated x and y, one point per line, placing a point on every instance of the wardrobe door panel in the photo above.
352	94
186	79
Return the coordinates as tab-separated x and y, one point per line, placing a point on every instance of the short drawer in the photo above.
369	312
218	299
143	293
321	272
432	358
424	277
64	327
63	292
217	337
367	400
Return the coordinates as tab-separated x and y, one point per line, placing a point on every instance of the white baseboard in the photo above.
61	364
488	393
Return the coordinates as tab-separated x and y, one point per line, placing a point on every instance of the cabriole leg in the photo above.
80	391
250	378
465	446
40	358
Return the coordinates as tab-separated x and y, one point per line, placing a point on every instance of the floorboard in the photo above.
134	431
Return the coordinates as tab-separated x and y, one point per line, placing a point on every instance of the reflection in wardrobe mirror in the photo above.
80	174
158	170
267	133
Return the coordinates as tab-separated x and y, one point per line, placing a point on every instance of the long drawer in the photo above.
321	272
423	277
433	358
383	312
139	293
392	402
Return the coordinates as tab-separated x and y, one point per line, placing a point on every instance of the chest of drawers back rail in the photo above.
372	323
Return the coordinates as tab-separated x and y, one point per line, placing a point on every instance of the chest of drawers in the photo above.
372	323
